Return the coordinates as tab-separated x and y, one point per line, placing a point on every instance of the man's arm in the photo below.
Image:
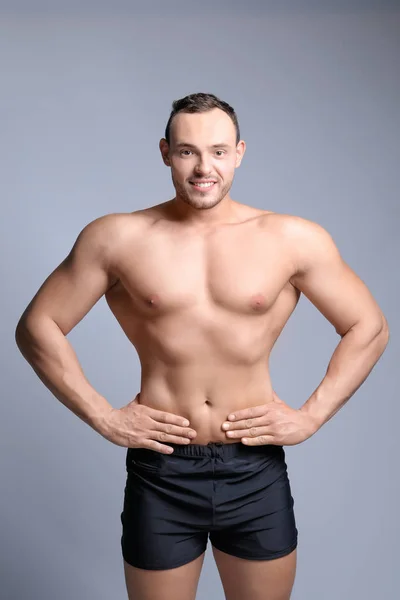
66	296
342	297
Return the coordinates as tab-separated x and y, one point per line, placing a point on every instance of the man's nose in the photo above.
203	165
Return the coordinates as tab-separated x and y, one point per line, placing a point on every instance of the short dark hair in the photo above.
196	103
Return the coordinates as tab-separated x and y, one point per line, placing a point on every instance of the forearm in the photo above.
351	363
53	359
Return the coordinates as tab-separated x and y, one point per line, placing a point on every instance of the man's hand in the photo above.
139	426
272	423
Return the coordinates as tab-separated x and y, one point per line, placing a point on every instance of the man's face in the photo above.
202	150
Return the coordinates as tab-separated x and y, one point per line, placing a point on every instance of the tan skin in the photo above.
202	286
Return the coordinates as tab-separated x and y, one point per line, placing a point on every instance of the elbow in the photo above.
379	331
371	329
26	327
30	333
21	333
381	327
382	337
19	330
384	331
22	327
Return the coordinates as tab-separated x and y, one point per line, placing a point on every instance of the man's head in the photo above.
202	143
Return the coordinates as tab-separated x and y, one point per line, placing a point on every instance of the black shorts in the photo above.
237	495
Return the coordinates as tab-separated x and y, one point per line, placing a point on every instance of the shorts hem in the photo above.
180	563
279	554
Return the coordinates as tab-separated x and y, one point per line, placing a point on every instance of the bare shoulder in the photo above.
295	226
113	223
291	225
108	231
311	245
325	278
304	239
88	271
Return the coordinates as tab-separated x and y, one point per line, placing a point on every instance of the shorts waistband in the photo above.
214	449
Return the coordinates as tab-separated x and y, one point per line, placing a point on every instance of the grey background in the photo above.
86	91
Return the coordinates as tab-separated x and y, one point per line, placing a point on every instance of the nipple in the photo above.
153	300
257	302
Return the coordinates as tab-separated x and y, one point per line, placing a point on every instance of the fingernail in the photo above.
231	417
185	423
225	426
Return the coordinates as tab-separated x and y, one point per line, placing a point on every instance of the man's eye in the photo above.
182	151
222	152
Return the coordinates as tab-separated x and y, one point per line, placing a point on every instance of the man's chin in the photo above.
201	202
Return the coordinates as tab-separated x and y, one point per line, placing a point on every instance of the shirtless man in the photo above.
202	286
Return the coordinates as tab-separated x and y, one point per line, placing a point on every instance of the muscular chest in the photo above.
242	272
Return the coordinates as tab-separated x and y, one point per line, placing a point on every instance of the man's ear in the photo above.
164	149
240	150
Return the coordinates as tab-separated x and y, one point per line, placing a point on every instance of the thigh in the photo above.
256	579
170	584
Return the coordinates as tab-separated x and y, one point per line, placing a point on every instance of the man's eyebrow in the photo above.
183	144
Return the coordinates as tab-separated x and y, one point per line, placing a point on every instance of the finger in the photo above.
253	432
245	423
248	413
261	440
161	436
166	417
154	445
174	430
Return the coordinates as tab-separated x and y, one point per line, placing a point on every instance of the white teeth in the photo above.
204	184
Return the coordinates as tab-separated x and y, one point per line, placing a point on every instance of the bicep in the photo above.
329	283
76	284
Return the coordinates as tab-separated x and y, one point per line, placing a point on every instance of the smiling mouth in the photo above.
203	185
